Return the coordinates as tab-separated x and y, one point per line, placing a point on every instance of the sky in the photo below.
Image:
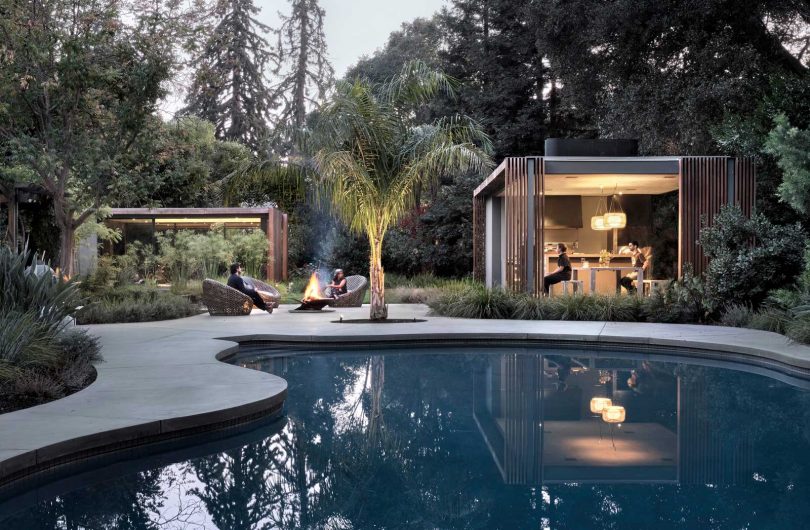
356	27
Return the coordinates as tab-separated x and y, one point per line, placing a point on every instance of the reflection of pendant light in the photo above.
598	220
613	414
615	216
599	404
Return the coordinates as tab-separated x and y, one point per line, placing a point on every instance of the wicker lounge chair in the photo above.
356	290
261	286
222	300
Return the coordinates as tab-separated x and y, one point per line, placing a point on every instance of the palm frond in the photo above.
417	84
347	187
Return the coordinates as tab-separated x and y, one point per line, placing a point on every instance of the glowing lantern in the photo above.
598	222
599	404
615	220
614	216
613	414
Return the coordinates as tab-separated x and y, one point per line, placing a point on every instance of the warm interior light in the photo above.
613	414
615	220
598	222
599	404
614	215
195	220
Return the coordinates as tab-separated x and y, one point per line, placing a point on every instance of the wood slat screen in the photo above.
745	184
703	191
518	225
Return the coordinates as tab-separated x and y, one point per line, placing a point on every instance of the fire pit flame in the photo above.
313	289
312	299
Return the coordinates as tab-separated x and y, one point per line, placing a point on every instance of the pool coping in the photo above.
165	380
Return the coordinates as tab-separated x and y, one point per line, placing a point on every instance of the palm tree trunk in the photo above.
379	311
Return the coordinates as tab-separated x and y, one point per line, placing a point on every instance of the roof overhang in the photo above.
158	213
608	171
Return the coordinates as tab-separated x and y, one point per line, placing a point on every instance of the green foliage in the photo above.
177	164
737	316
249	247
79	81
667	65
35	345
770	319
748	257
465	300
185	255
136	304
51	299
791	148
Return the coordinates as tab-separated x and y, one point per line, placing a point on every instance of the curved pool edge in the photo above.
154	386
166	379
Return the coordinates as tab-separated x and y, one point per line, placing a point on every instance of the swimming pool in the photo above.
474	438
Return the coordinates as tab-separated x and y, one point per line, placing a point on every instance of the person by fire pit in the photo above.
338	285
236	281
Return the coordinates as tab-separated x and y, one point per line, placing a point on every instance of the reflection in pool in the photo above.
495	438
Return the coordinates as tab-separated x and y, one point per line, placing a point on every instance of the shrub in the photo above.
682	302
748	257
798	329
40	358
137	304
737	316
477	301
770	319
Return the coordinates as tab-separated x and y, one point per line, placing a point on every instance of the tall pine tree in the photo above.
306	74
230	85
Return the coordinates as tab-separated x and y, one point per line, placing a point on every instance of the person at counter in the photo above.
637	259
561	273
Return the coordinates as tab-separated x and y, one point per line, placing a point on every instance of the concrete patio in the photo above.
162	380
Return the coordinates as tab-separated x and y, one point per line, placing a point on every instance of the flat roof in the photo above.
149	213
604	166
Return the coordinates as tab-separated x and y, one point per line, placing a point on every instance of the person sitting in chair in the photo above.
637	259
562	272
236	281
338	285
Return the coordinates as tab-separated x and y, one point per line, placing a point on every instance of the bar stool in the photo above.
577	286
650	286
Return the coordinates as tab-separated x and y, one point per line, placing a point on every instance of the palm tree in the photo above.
369	155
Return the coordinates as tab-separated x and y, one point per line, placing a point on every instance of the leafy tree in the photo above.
78	85
749	257
791	147
493	52
418	40
308	74
177	164
667	71
230	86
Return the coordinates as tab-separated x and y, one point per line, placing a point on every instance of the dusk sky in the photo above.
357	27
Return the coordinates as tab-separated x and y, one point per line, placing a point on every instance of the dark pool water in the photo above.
473	439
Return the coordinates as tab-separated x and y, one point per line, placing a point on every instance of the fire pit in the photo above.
312	299
316	304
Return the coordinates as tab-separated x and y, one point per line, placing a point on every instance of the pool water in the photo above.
475	438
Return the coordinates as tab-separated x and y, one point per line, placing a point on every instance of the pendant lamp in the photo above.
614	216
598	221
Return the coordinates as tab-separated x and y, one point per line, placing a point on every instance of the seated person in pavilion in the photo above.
236	281
562	272
638	260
